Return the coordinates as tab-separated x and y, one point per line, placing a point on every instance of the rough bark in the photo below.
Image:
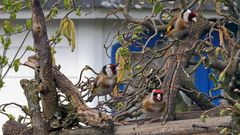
86	115
183	127
175	77
30	91
171	84
46	86
195	114
15	128
199	98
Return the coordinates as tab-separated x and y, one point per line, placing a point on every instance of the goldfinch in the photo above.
104	82
153	104
179	23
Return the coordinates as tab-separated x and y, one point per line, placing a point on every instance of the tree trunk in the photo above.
46	86
38	125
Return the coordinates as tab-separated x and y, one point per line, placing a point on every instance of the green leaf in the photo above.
126	54
1	83
237	106
223	131
120	39
2	39
16	65
11	117
119	105
77	11
222	112
19	28
138	29
30	48
158	7
13	16
7	43
138	67
25	109
135	37
53	12
28	23
7	27
222	76
20	118
3	61
28	3
59	39
213	78
203	117
66	3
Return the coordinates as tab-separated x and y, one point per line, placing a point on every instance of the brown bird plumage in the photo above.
153	104
179	23
104	82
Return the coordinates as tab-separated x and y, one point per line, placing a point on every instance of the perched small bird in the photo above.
179	23
104	82
153	104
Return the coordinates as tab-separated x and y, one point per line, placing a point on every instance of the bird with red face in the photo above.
105	81
179	23
153	104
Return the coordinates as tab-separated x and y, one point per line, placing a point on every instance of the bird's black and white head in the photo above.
110	70
156	95
189	16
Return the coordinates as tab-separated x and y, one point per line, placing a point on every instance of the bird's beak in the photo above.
117	68
194	19
159	96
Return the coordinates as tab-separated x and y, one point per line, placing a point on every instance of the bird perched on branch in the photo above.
178	24
153	104
104	82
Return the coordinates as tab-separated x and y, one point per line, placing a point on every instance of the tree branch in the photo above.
193	126
85	114
30	91
144	22
46	85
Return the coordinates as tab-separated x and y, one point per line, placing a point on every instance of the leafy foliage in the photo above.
28	23
157	8
203	117
16	65
11	117
1	83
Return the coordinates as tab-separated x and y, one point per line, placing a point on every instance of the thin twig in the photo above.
15	56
